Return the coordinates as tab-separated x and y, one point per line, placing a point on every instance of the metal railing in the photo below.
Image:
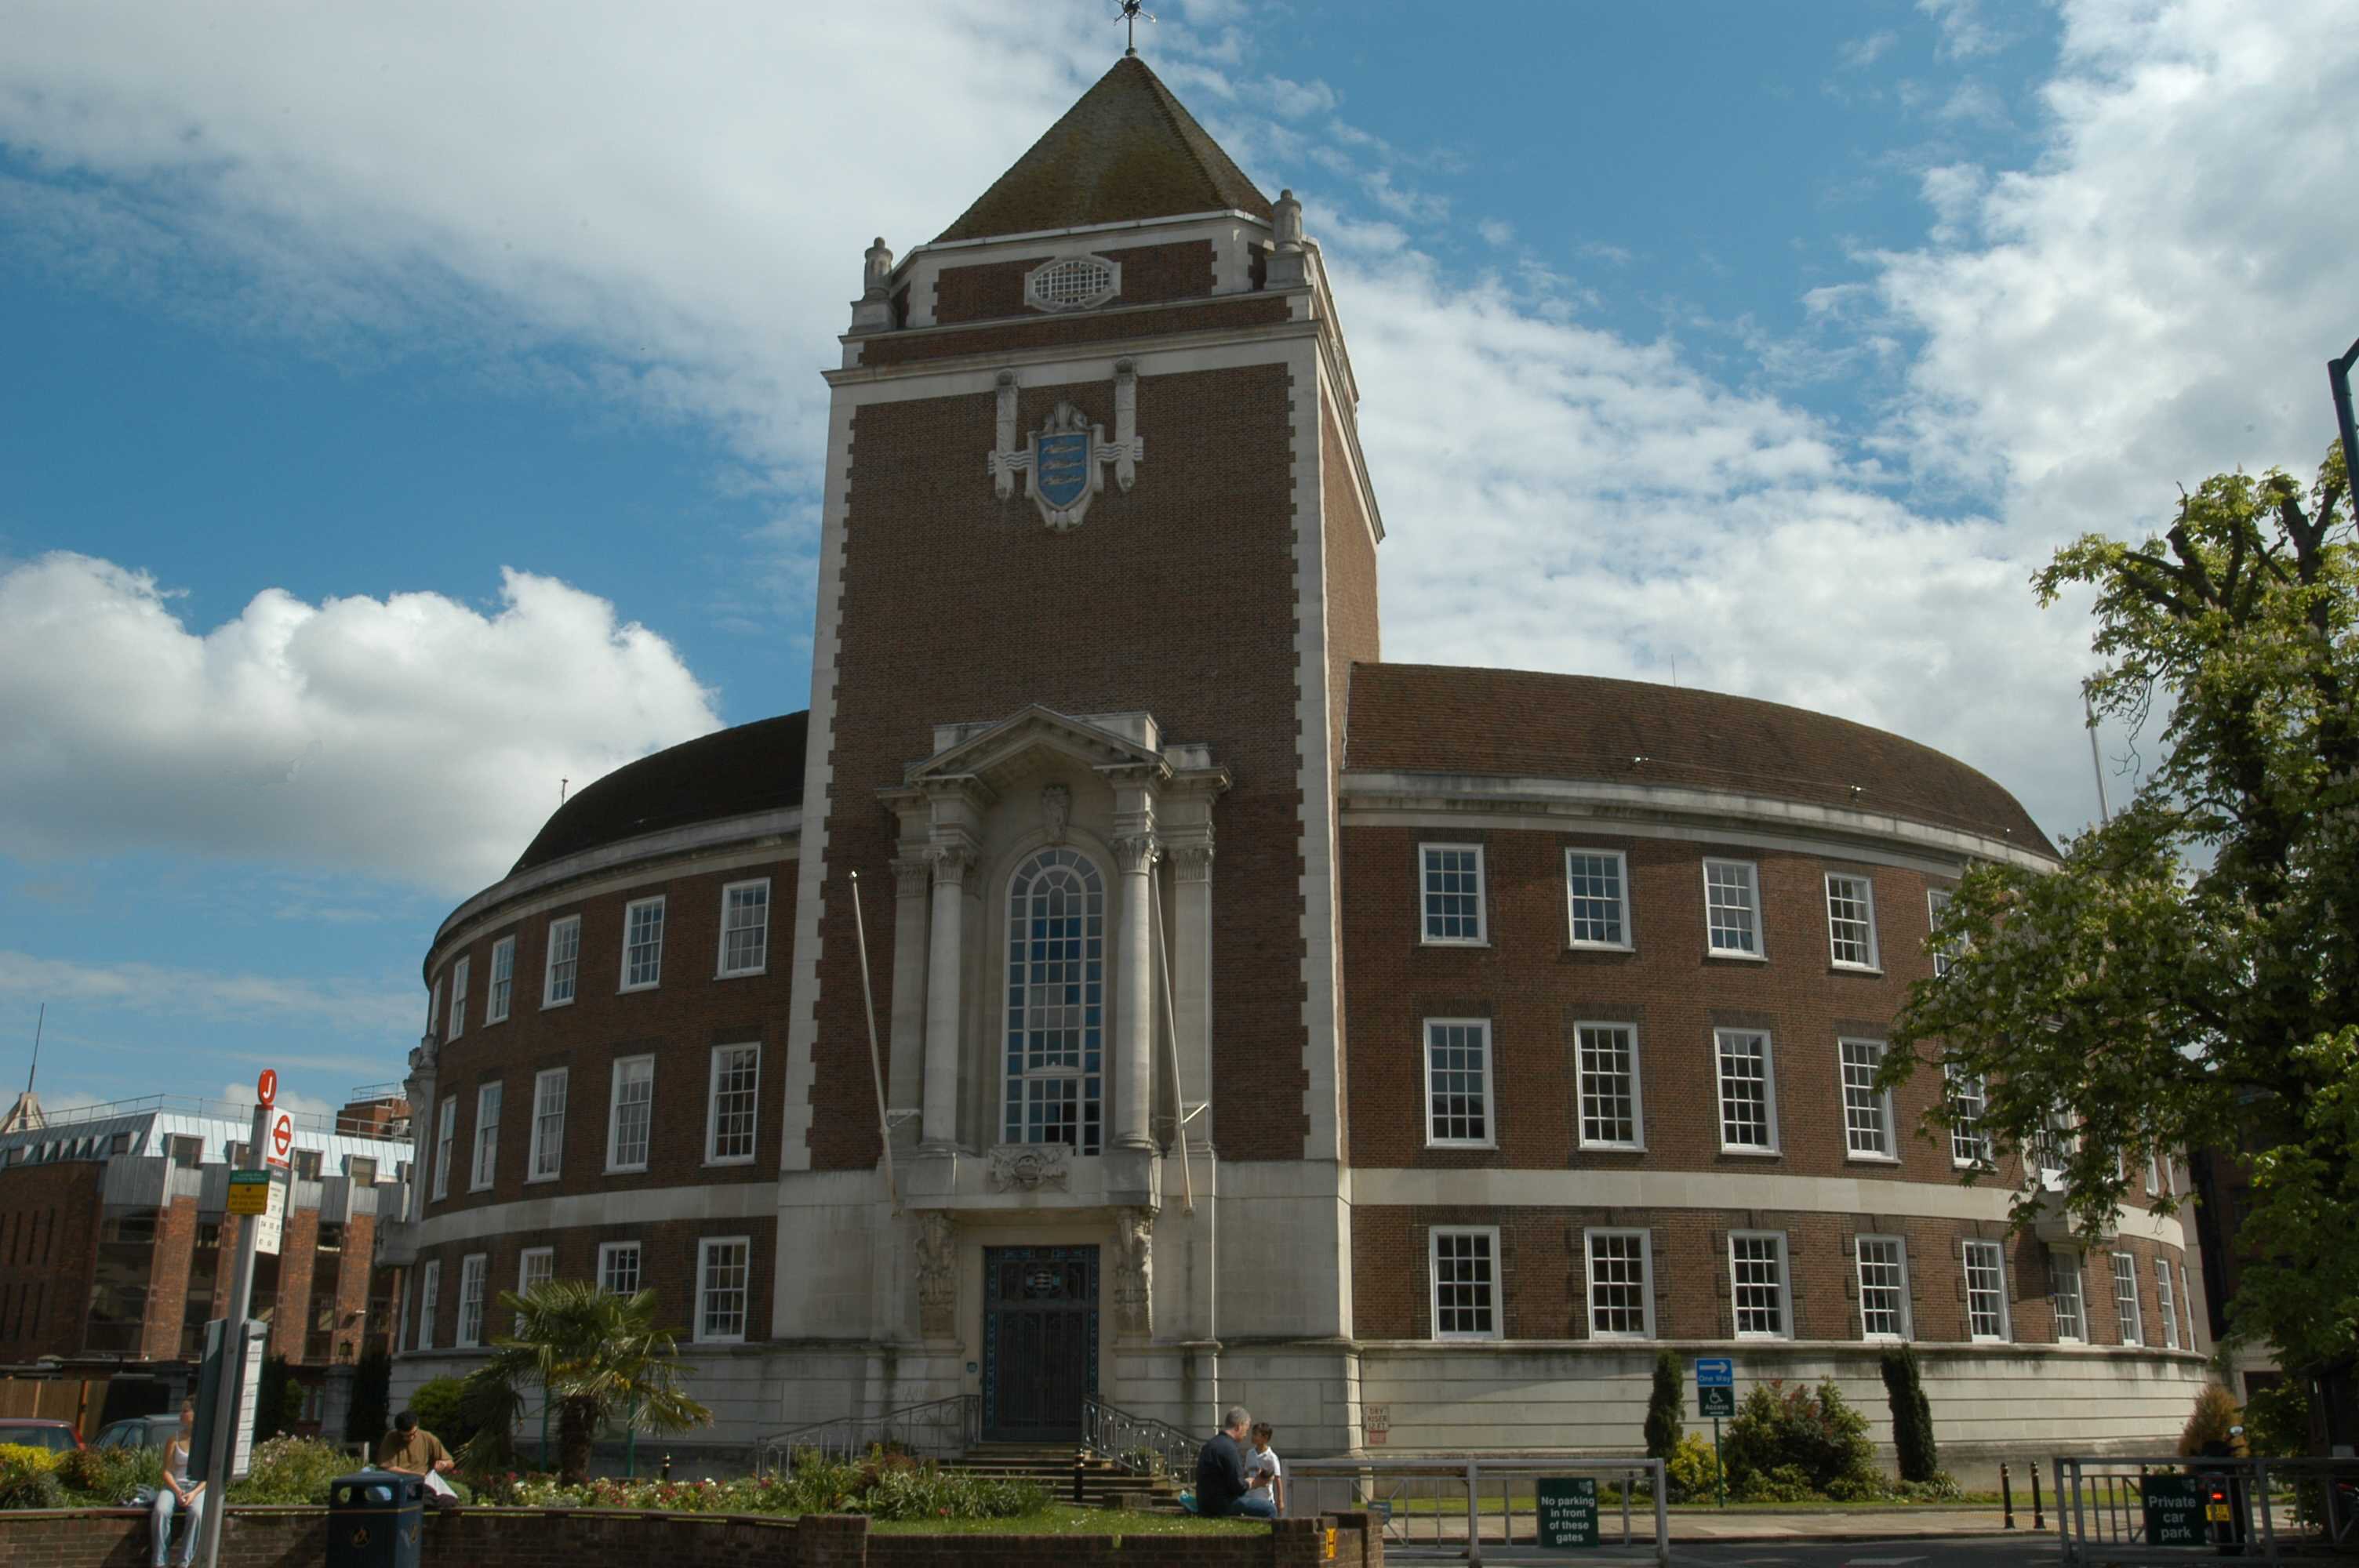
1138	1444
939	1429
1462	1508
2269	1510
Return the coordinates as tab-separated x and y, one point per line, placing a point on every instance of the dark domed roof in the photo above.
730	773
1440	719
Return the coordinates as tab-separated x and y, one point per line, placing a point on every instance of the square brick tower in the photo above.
1098	553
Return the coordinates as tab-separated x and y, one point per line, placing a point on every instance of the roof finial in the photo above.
1132	10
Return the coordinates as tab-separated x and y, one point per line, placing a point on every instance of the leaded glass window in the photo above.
1056	1002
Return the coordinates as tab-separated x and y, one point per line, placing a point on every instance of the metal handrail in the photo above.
938	1429
1137	1444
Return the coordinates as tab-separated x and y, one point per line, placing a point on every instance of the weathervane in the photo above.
1132	10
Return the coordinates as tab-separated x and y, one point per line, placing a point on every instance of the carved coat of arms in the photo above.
1063	462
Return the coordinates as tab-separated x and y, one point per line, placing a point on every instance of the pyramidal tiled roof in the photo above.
1126	152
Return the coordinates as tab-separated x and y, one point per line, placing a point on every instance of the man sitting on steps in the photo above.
1221	1489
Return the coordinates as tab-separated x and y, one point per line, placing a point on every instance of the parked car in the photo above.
139	1431
27	1432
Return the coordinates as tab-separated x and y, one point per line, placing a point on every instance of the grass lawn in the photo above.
1063	1519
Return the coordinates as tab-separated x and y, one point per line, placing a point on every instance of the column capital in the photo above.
950	863
1193	862
1136	852
911	873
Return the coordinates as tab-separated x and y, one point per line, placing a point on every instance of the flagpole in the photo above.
875	1057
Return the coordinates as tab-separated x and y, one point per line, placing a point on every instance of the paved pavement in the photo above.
1897	1524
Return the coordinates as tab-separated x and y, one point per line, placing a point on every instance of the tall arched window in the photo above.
1056	1002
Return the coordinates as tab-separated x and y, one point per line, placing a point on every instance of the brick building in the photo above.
1406	1051
113	1240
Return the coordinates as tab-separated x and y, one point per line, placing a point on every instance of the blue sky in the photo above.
407	411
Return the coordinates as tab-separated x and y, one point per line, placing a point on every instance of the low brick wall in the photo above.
511	1538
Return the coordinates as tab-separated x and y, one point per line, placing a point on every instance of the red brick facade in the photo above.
48	1243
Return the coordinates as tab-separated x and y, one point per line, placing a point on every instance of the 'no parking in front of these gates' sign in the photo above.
1568	1510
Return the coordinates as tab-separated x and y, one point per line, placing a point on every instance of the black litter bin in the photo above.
374	1520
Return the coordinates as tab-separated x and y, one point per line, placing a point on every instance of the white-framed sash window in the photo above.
1458	1084
733	1110
1883	1287
1985	1265
1612	1112
643	935
548	1155
1732	909
1464	1271
457	1024
631	1119
1758	1293
486	1167
1450	889
1851	921
446	1133
1621	1284
1748	1091
618	1268
724	1275
1867	1111
471	1300
745	927
502	989
1597	898
430	1292
562	968
2071	1309
2166	1301
2126	1316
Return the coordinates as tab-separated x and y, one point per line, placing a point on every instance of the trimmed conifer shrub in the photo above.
1663	1408
1912	1416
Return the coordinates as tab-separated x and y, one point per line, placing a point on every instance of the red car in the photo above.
28	1431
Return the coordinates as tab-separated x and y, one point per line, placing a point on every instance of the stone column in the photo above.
904	1059
419	1087
950	862
1134	1052
1191	981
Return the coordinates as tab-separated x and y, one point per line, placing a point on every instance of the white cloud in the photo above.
158	990
412	736
684	203
1857	54
2152	302
1495	233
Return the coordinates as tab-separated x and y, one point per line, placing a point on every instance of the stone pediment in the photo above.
1001	753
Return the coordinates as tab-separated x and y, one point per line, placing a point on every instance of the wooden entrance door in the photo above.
1039	1341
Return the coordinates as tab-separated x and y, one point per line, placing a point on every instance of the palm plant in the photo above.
595	1354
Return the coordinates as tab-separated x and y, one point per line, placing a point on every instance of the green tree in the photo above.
1663	1406
370	1413
2189	976
599	1356
1912	1415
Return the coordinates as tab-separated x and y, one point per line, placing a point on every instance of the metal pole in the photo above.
875	1057
227	1379
1719	1471
1473	1512
2063	1529
2080	1512
2007	1495
1171	1035
1661	1475
2037	1521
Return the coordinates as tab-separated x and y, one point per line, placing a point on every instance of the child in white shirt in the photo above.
1262	1468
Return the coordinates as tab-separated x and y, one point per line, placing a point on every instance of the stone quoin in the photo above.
1407	1052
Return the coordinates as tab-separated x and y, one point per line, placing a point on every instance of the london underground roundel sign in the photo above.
282	1137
